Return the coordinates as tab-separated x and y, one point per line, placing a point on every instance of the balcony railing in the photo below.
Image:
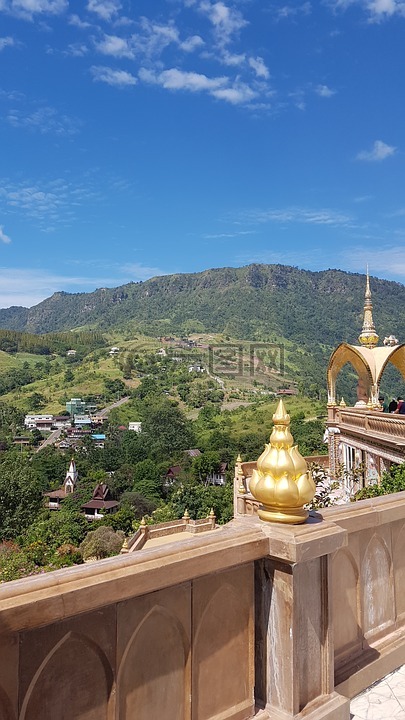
384	426
252	620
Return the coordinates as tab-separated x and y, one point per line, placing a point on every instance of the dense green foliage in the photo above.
391	482
21	489
59	343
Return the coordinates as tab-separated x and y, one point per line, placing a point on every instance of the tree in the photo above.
147	479
21	492
168	429
205	465
114	388
101	543
36	437
199	499
68	526
36	401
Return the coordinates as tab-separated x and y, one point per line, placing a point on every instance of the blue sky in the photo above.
160	136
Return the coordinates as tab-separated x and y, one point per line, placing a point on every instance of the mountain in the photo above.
258	302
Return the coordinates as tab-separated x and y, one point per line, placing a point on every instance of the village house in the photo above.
101	503
219	476
31	421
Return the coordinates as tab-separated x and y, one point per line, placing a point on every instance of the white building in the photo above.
31	421
136	426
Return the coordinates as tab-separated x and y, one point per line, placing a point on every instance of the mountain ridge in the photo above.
255	301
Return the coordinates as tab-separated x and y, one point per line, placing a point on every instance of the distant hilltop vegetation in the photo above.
257	302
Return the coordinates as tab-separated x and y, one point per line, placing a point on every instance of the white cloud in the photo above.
153	38
77	22
137	271
226	21
308	216
377	10
287	11
48	203
76	50
105	9
259	66
3	237
217	236
219	87
180	80
45	120
116	78
239	94
40	284
192	43
324	91
26	9
115	46
231	59
6	42
379	151
388	259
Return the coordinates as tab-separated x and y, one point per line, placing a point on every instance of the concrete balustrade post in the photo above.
294	642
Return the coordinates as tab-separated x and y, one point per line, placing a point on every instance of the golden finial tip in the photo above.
212	514
238	459
281	413
143	522
186	515
342	402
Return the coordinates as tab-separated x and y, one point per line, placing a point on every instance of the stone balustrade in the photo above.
379	425
368	591
252	620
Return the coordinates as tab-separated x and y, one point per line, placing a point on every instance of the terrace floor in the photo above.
384	700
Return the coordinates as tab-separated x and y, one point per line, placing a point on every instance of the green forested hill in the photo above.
259	302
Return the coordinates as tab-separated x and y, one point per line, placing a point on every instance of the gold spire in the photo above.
368	336
282	482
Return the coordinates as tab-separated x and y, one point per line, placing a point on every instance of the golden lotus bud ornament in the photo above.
282	482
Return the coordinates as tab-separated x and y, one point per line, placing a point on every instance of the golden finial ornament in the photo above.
125	547
282	482
342	403
370	404
143	522
368	336
239	475
186	516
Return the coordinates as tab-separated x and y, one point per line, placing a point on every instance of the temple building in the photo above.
56	497
363	441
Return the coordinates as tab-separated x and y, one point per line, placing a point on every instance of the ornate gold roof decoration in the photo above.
282	482
368	336
342	402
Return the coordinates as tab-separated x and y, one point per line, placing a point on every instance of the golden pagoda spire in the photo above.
282	482
368	336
